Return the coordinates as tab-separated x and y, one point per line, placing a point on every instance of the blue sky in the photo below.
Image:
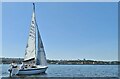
75	30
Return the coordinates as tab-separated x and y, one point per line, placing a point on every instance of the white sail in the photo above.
40	57
31	46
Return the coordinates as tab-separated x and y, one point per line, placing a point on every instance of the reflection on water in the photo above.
37	75
70	71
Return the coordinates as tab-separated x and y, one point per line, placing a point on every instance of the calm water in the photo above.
73	71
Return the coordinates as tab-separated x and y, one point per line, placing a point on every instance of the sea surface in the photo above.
72	71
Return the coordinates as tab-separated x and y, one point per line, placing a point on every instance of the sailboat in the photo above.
35	58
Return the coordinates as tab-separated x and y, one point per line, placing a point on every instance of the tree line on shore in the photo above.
69	62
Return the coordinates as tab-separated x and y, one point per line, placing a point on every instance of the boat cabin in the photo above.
29	63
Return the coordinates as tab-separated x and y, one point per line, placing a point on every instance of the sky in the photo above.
69	30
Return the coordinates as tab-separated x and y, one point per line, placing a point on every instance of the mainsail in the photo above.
31	53
31	46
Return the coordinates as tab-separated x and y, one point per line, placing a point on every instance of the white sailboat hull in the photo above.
32	71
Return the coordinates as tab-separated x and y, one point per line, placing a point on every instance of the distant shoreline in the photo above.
63	62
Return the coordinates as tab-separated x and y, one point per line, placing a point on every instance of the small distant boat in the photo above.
35	58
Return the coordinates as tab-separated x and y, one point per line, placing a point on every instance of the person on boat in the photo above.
22	66
13	65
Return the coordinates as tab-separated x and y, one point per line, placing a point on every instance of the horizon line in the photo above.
66	59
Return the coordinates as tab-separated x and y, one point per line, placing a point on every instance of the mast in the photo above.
35	28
